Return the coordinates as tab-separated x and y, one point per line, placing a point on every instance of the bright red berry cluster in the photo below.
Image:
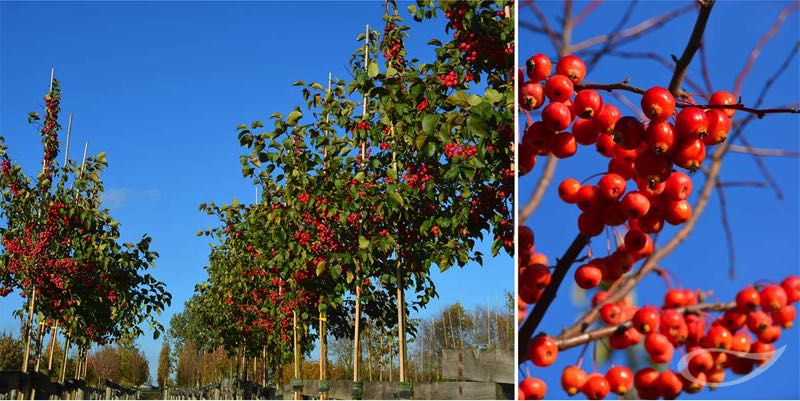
738	340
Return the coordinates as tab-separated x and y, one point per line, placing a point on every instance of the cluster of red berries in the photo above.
421	106
417	176
449	80
453	150
363	125
711	348
646	150
393	47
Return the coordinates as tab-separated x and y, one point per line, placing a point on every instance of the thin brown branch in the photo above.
726	227
774	29
614	33
586	11
611	87
541	187
704	70
659	59
630	105
760	113
543	22
695	40
532	27
562	267
574	341
762	167
566	30
763	152
623	86
755	184
634	31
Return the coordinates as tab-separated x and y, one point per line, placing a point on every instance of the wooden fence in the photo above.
15	385
469	374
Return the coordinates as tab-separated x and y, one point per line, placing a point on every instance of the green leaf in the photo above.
372	69
420	141
492	95
293	117
397	198
392	174
460	99
363	242
478	125
429	123
316	86
435	42
475	100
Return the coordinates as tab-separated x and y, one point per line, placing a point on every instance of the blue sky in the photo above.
161	88
766	230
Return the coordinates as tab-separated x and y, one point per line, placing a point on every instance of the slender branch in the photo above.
760	113
531	27
776	26
539	191
762	167
562	267
704	70
611	87
659	59
543	21
566	30
586	11
763	152
614	33
632	107
726	227
682	64
623	86
756	184
571	342
635	31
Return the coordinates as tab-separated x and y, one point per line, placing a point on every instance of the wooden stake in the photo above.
298	395
53	338
52	76
63	375
29	330
69	133
357	318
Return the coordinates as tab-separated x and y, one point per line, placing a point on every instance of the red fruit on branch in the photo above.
538	67
678	186
531	95
791	285
607	118
660	137
572	67
628	133
719	125
748	299
568	190
556	116
585	131
563	145
691	122
690	154
558	88
611	186
620	379
572	379
658	104
588	103
773	298
596	387
532	388
542	351
588	276
723	98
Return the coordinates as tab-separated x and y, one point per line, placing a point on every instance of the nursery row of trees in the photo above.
362	191
61	251
487	327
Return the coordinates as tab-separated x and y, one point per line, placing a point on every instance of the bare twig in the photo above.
562	267
726	226
763	152
635	31
704	69
571	342
630	105
543	21
611	87
586	11
531	27
776	26
762	166
682	64
668	64
538	193
756	184
616	31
